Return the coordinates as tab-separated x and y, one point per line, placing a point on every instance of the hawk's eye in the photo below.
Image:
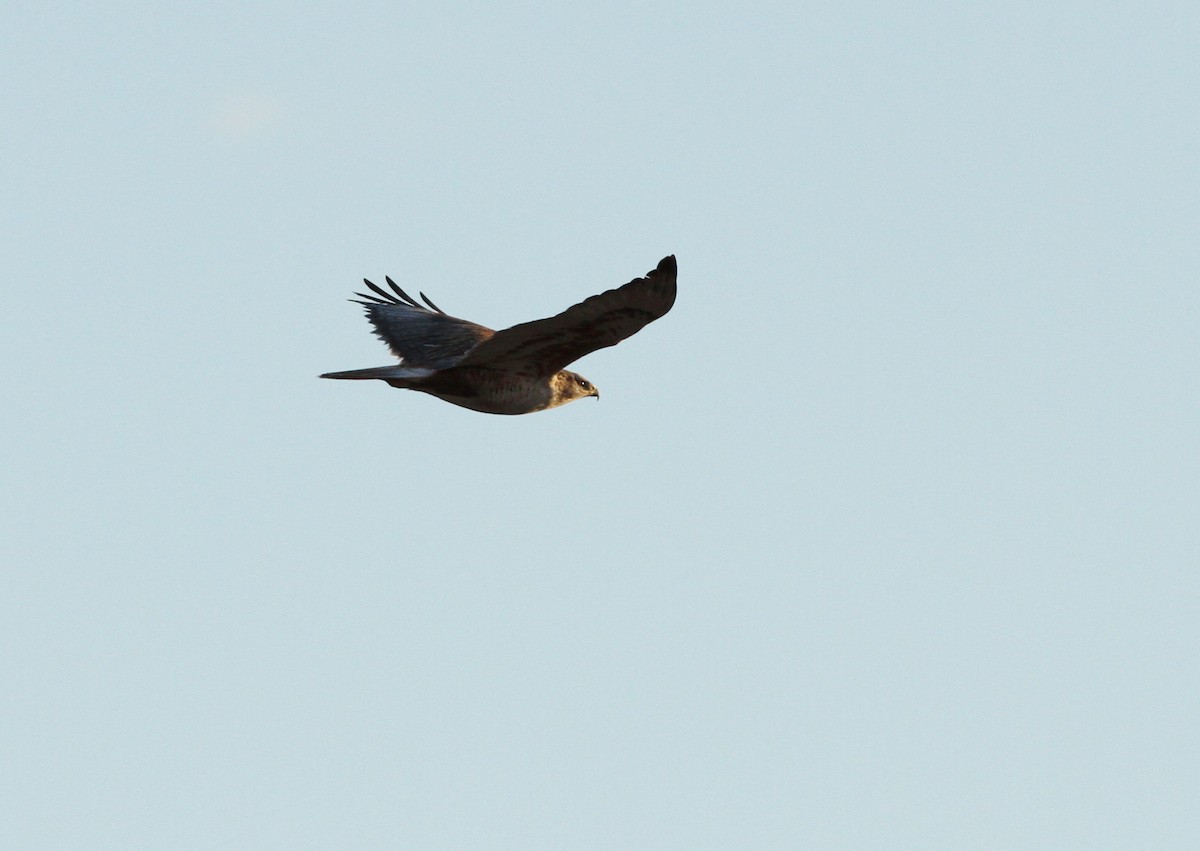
582	383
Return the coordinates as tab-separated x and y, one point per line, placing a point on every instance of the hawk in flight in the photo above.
515	371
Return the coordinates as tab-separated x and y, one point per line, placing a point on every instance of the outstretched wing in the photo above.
419	335
545	346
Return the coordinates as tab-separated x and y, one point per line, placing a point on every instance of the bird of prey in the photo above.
515	371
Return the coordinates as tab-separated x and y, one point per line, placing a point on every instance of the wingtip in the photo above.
667	266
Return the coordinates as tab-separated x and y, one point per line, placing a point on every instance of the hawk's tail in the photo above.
387	373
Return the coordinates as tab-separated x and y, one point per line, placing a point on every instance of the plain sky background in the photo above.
887	536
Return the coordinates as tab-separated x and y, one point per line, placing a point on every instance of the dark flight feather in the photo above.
418	335
545	346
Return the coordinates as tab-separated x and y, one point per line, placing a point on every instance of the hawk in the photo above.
515	371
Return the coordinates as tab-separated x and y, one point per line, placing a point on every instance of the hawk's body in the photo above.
515	371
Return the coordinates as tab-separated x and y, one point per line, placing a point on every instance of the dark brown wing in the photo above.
545	346
419	335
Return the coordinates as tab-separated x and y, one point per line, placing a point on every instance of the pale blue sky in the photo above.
886	537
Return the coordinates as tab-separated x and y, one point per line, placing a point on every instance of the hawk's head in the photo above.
569	386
